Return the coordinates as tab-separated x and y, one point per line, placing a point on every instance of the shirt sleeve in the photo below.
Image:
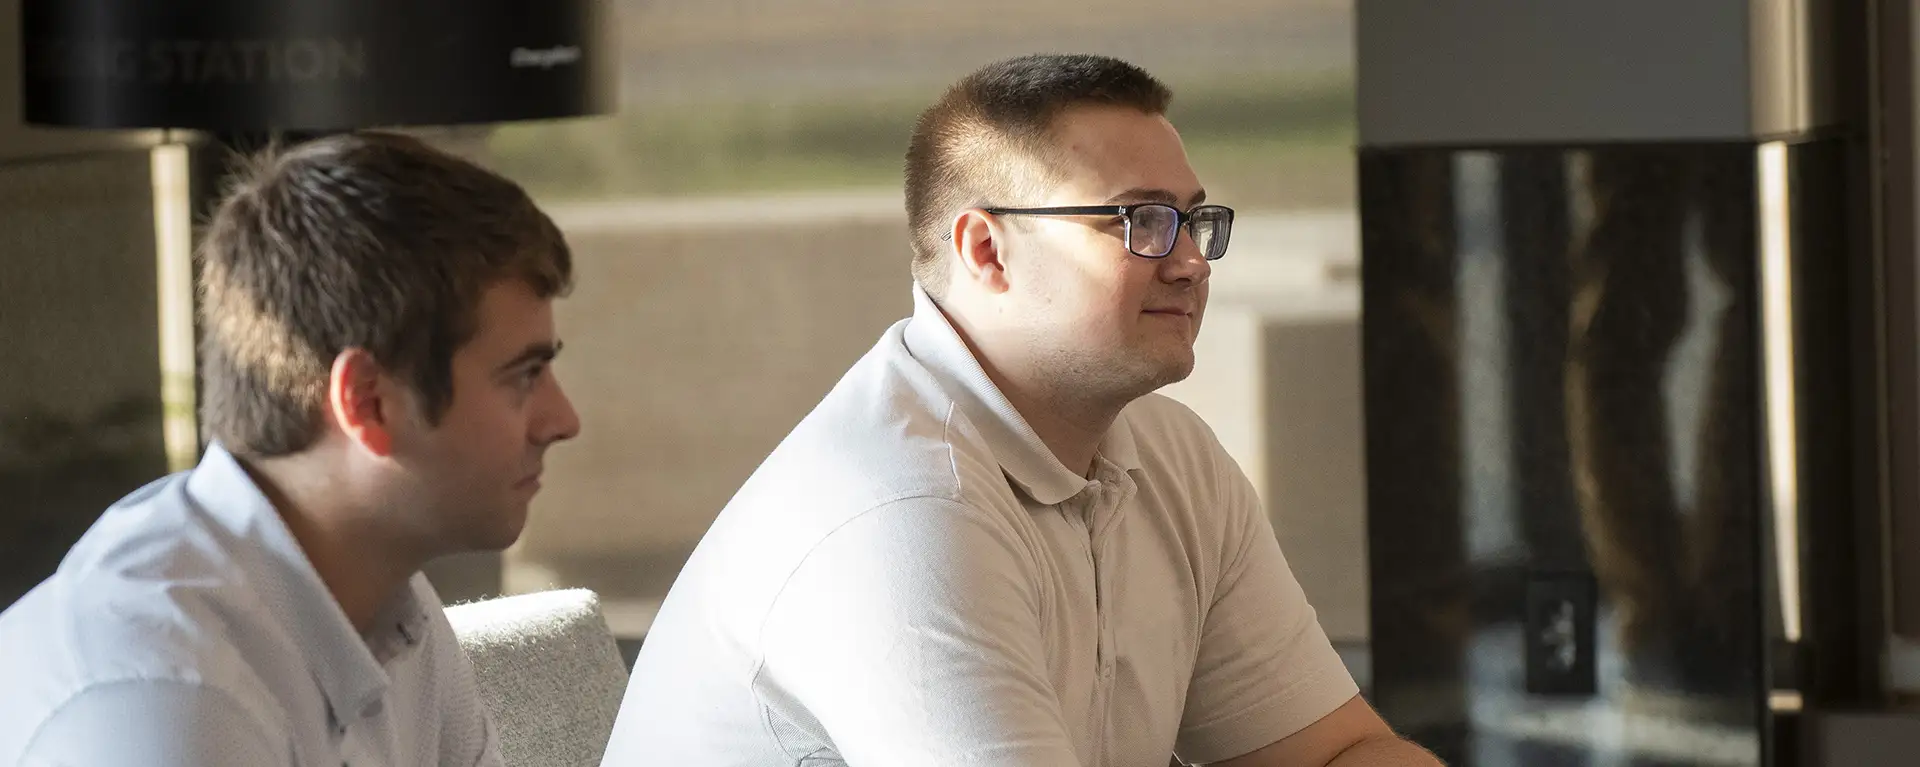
1266	669
155	723
912	635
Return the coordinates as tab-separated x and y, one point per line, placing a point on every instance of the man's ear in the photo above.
980	250
360	403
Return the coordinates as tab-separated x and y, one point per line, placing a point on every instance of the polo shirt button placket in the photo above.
1098	509
1114	493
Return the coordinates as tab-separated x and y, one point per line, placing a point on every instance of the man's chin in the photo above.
1162	377
501	535
1176	367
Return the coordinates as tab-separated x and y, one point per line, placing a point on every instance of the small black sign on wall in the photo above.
314	65
1560	634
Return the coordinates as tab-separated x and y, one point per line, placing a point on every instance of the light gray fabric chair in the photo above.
549	671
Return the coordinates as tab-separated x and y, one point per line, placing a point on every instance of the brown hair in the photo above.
366	240
988	138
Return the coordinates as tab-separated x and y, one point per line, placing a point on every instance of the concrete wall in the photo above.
79	346
80	415
694	344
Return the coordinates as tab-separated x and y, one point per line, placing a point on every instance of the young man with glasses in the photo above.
992	543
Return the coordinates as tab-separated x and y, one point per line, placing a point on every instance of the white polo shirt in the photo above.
188	628
912	578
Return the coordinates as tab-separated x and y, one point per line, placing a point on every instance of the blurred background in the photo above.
739	222
1619	468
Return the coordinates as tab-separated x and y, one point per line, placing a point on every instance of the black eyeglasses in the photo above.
1152	227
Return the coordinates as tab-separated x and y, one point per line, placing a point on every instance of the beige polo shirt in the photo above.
912	578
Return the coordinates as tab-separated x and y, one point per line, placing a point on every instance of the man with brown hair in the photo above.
992	543
378	329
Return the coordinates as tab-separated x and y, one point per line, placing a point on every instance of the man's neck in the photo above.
1072	427
360	560
1070	423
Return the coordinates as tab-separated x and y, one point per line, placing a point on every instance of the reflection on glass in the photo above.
1624	301
1776	312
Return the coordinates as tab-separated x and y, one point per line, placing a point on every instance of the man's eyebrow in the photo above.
538	351
1165	197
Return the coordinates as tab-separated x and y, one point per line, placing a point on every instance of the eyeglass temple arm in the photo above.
1076	210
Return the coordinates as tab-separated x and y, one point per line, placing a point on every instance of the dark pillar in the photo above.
1609	368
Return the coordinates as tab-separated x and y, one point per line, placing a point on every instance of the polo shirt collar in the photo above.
933	342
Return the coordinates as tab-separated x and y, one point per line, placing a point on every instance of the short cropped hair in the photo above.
365	240
982	141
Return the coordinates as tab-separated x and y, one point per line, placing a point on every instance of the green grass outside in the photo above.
1258	144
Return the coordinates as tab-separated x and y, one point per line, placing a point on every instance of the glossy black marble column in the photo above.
1561	360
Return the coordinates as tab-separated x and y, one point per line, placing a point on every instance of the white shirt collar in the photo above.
344	663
